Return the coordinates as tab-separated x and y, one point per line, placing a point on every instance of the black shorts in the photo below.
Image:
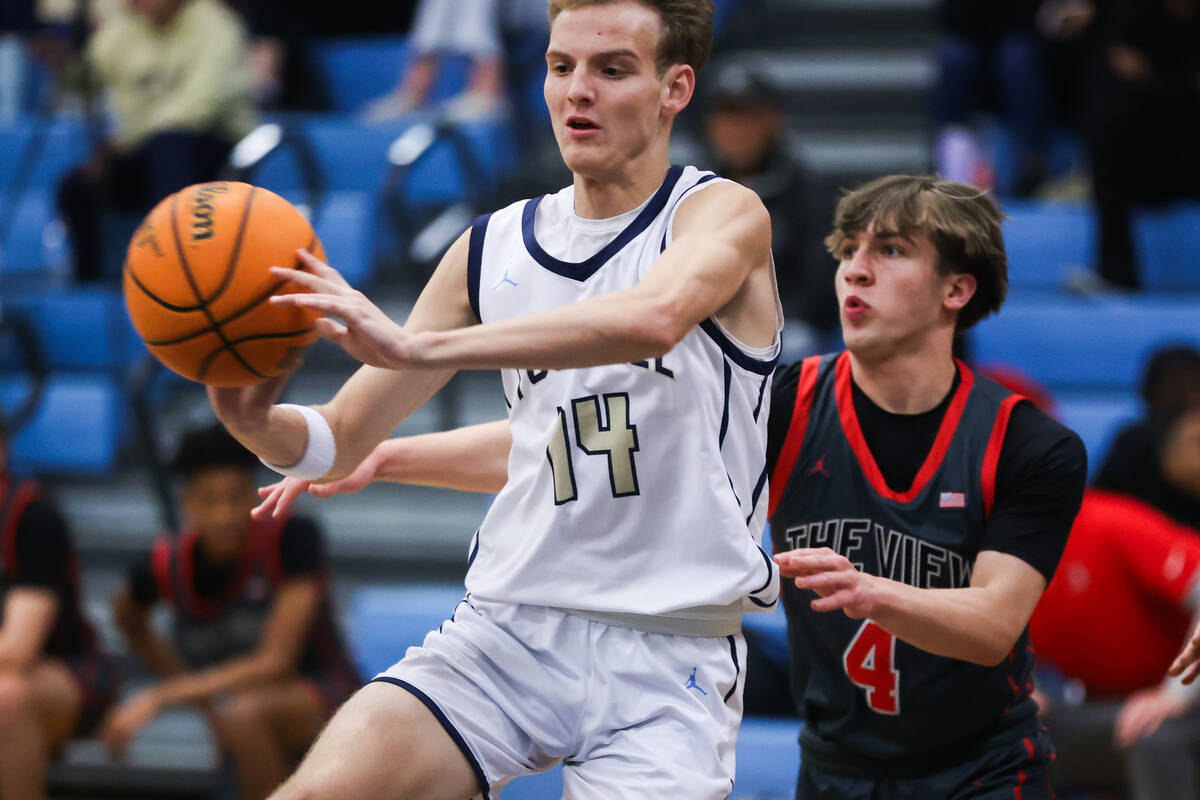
96	674
1020	771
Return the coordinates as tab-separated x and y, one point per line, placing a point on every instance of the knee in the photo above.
244	713
16	700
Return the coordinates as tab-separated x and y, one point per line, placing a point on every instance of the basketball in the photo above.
197	283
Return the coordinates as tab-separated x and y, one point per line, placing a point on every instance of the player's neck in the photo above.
908	382
616	193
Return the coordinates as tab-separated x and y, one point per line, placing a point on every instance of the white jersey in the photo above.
634	490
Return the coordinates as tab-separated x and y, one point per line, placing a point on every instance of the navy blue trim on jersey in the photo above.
762	390
446	724
737	668
475	261
474	549
725	407
663	247
759	485
735	354
582	270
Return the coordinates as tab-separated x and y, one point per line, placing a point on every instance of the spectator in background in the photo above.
1143	123
255	644
1113	620
54	681
1145	460
473	29
745	126
989	48
281	69
175	75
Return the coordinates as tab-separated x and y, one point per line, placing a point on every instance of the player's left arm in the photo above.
32	603
1039	489
721	236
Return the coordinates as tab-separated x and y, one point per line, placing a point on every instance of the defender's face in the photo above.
604	94
889	291
217	503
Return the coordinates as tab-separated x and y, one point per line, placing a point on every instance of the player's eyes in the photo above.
559	69
612	72
848	251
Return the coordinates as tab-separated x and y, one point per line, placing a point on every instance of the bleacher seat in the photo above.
1097	417
58	144
80	329
1099	344
384	621
768	759
1167	241
33	250
1044	242
76	428
358	70
344	223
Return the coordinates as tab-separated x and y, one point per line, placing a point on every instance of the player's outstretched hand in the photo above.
278	497
364	331
1142	714
1188	662
124	721
836	581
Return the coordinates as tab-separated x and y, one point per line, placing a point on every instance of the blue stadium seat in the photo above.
344	223
358	70
768	759
1167	242
1097	417
1045	241
33	251
76	429
62	143
80	329
384	621
353	156
1098	344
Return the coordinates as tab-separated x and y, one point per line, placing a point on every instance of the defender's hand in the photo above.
833	578
1143	713
364	332
278	497
1188	661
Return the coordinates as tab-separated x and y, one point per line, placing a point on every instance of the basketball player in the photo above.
254	642
54	681
635	319
905	490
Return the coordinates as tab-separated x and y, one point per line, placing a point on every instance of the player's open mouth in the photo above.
581	124
855	304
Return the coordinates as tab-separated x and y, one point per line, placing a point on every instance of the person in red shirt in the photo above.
1113	620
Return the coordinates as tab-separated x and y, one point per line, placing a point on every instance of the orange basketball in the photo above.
196	282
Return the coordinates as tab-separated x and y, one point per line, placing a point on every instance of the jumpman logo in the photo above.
503	281
820	467
691	683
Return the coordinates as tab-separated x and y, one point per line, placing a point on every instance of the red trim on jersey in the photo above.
272	533
795	435
991	456
933	461
24	494
160	563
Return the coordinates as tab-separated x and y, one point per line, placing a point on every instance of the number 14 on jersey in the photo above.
613	436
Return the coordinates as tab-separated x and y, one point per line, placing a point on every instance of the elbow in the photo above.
661	326
994	651
273	666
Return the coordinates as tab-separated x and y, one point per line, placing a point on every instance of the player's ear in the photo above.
960	290
678	86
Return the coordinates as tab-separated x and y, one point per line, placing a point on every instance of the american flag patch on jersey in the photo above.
952	500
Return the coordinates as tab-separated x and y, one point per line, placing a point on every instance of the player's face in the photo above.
890	294
1181	454
217	503
605	96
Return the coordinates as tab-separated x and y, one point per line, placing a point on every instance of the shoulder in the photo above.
1039	451
724	199
44	527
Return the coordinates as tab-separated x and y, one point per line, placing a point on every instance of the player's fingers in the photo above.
291	490
1189	655
1191	674
325	303
320	267
821	580
264	508
314	283
834	601
824	558
330	329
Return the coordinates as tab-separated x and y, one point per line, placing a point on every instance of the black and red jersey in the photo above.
212	627
36	552
875	706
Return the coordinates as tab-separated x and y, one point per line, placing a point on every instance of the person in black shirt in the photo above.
904	489
54	681
254	641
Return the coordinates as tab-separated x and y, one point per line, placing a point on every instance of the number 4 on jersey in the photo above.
870	663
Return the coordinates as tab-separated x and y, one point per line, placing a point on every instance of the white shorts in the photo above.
629	713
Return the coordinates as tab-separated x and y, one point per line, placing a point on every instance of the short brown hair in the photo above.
963	222
687	29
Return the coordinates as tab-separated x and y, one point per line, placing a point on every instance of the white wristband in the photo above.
320	452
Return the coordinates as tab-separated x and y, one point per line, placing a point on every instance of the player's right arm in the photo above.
471	459
374	400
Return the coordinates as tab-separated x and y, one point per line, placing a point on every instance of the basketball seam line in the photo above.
300	266
170	307
208	359
187	271
237	247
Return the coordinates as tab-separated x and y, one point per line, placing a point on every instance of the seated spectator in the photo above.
469	28
1113	619
54	681
175	76
985	45
744	124
1143	123
1142	462
254	642
281	68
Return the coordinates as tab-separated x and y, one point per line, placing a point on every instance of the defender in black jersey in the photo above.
55	682
253	639
921	510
